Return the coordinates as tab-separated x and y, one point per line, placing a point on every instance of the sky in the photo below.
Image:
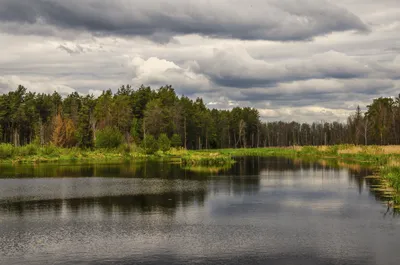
301	60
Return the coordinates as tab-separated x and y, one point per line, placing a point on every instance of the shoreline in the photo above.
384	159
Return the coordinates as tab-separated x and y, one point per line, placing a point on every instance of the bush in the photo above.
149	144
164	144
50	150
27	150
109	137
6	151
125	149
176	140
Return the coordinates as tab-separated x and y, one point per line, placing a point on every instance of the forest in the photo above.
137	116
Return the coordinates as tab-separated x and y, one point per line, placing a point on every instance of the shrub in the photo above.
149	144
27	150
164	144
176	140
125	149
6	151
50	150
109	137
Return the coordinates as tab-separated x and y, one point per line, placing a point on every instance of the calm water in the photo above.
262	211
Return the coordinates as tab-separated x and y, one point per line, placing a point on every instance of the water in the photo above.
262	211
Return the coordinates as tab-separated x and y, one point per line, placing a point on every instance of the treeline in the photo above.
133	116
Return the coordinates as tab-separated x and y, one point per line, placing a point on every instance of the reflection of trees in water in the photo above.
242	178
112	170
381	195
47	170
245	166
358	177
166	203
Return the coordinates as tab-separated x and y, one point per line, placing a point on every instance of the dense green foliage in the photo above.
149	144
176	140
109	137
164	144
78	121
6	151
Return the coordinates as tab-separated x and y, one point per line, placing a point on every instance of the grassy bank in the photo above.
374	155
50	153
385	159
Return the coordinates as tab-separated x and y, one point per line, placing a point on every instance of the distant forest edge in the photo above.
130	115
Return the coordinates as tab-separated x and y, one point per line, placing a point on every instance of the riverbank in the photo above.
366	155
381	156
43	154
384	159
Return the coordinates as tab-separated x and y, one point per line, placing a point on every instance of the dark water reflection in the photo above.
261	211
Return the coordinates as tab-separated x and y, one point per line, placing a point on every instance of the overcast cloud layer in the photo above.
300	60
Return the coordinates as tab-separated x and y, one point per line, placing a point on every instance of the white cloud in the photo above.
9	83
158	72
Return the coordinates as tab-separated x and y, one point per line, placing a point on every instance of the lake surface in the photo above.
262	211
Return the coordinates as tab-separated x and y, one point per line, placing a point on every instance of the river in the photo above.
261	211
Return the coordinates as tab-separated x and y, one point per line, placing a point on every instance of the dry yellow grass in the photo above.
297	147
391	149
323	148
373	149
352	150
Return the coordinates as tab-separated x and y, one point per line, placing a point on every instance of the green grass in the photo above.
50	153
206	158
338	152
286	152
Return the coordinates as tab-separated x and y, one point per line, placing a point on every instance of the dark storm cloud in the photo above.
236	68
278	20
326	93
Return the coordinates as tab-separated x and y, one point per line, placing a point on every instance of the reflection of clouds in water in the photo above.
321	205
326	178
300	216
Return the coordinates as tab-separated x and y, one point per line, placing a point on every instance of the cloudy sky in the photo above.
300	60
